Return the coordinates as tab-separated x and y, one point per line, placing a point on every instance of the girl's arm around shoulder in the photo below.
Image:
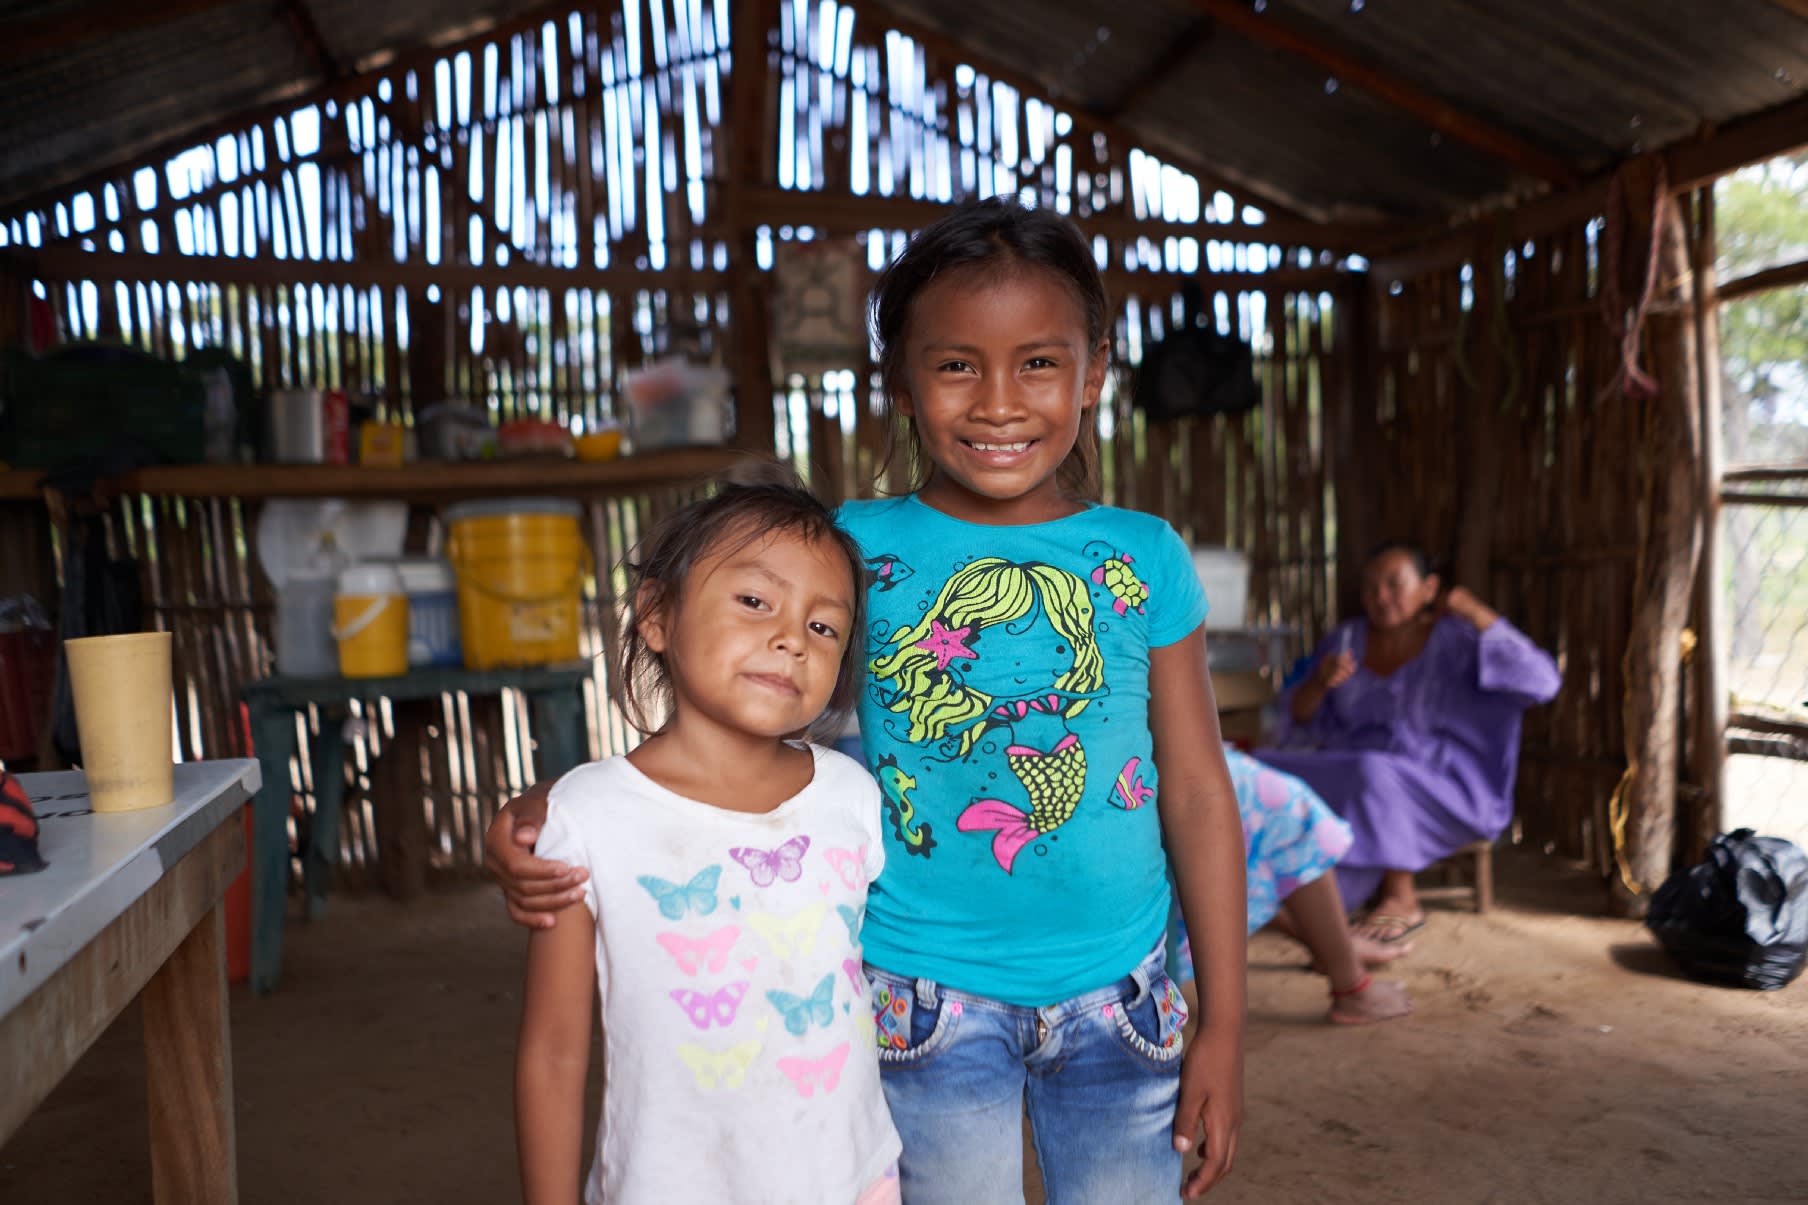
552	1058
1204	838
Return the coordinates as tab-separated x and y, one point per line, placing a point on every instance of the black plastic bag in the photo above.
1741	917
1196	371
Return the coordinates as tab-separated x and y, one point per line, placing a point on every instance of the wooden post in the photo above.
1478	416
1669	535
427	359
1350	418
1711	701
748	120
188	1077
402	851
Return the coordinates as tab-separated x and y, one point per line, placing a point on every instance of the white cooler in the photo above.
1224	572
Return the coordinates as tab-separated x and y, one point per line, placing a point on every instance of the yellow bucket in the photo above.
370	622
520	564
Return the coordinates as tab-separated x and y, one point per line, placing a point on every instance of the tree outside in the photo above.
1762	222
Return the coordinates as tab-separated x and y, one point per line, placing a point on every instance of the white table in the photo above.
129	907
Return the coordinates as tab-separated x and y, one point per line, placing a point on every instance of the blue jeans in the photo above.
1100	1074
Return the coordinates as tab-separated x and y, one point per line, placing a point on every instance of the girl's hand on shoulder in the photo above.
1211	1093
536	889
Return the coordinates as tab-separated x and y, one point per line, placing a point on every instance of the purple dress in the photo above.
1420	762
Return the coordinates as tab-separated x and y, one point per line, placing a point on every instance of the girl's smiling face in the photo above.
998	375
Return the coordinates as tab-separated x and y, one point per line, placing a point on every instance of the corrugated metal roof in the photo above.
1585	81
102	98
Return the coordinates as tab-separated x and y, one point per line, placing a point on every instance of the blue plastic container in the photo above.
432	612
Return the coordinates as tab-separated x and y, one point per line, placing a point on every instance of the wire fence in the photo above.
1767	658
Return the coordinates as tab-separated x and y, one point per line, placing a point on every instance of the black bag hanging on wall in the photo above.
1740	917
1196	371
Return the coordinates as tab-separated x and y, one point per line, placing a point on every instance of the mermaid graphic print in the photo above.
949	677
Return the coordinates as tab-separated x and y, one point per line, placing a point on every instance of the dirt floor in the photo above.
1554	1058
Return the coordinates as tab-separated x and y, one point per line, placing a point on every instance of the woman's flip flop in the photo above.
1389	930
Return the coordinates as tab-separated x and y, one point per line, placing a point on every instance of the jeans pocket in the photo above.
1151	1027
904	1030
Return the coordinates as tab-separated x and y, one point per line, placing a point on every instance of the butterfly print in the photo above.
675	900
786	862
849	865
695	954
810	1074
851	918
800	1012
714	1069
784	934
717	1008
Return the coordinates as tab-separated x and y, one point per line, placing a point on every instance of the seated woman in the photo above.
1408	724
1293	840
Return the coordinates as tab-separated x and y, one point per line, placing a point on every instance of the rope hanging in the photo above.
1630	379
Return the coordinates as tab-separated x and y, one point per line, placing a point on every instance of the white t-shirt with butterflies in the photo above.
739	1059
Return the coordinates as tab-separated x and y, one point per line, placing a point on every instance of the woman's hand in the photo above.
1334	671
1462	603
536	889
1211	1091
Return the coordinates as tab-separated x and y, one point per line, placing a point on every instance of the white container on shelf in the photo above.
432	590
305	647
1224	573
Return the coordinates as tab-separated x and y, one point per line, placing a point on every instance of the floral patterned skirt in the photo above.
1290	835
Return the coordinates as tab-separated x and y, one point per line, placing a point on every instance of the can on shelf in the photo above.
338	427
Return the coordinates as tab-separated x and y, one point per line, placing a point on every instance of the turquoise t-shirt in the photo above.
1005	713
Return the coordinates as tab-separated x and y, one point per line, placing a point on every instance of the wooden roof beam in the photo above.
87	23
943	46
1447	119
841	214
1185	43
1691	163
307	32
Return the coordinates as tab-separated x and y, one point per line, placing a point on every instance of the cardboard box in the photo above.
1242	689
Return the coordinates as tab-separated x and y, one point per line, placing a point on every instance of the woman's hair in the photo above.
756	500
1006	235
911	680
1407	548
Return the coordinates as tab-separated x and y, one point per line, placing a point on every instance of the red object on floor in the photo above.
238	893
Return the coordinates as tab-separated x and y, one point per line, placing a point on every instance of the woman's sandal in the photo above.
1387	929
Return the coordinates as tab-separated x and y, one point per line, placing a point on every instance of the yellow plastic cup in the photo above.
123	714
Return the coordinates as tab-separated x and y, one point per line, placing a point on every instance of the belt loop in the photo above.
926	993
1140	978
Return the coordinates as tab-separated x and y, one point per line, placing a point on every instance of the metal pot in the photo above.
295	427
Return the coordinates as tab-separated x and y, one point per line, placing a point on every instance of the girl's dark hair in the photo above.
1007	235
754	501
1412	551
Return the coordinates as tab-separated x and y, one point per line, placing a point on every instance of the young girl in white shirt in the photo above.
728	870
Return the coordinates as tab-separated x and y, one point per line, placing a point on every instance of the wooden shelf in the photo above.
427	481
